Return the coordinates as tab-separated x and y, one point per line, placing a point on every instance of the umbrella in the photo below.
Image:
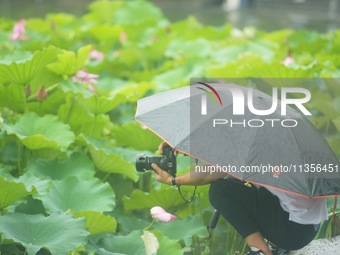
245	133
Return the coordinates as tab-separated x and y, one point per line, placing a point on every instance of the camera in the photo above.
167	161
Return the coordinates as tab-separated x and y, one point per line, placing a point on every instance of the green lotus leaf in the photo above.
76	165
307	41
210	33
83	122
175	231
112	163
235	69
333	86
129	244
100	104
88	101
6	24
37	132
320	122
262	48
9	153
97	222
79	195
12	191
102	11
5	170
29	205
278	70
50	105
33	183
70	86
95	247
135	12
106	32
134	135
112	160
61	18
132	56
12	97
19	56
39	25
48	153
128	222
47	79
189	24
57	233
181	76
166	245
165	198
23	71
335	144
337	124
101	251
278	36
328	107
228	54
198	48
69	63
132	91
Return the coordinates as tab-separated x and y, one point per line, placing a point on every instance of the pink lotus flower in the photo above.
84	77
41	94
91	88
18	31
289	60
160	214
96	55
123	37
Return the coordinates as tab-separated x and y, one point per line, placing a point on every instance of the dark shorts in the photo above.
252	209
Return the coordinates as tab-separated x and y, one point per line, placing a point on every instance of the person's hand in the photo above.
162	145
161	175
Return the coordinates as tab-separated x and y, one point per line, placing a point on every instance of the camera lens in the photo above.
144	162
167	162
141	162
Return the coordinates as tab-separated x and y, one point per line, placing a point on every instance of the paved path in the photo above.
321	247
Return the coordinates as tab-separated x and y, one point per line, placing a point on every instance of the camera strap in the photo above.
193	195
186	200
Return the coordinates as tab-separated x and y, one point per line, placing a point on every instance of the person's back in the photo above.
302	210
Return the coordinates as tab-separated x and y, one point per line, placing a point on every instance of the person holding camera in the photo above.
271	221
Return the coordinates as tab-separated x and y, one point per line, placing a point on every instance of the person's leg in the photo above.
256	240
252	210
275	226
236	203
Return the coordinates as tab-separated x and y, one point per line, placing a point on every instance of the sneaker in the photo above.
277	250
254	251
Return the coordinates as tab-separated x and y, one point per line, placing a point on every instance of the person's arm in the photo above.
189	178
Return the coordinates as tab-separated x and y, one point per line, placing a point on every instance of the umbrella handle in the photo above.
212	223
214	219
